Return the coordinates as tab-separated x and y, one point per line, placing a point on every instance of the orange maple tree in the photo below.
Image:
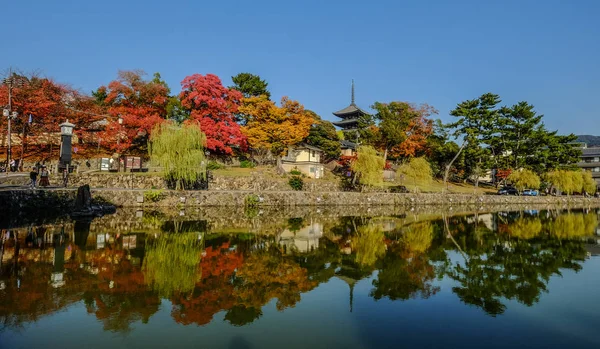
275	128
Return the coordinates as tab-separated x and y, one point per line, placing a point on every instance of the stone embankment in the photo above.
20	199
256	181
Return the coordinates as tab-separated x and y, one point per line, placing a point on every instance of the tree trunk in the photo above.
279	168
447	171
385	153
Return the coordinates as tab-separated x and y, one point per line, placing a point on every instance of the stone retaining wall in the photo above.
171	198
256	182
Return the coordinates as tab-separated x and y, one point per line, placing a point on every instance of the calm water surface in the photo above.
527	279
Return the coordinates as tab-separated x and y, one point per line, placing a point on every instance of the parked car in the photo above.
399	189
508	191
530	192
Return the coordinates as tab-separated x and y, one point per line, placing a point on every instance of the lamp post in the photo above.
66	133
120	121
9	114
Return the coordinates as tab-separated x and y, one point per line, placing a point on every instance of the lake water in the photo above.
303	279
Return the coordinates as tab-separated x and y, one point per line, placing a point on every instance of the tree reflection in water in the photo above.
505	256
406	271
518	265
171	262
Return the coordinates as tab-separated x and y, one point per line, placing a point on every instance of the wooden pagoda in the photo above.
350	115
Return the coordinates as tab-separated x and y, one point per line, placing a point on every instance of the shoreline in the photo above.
60	200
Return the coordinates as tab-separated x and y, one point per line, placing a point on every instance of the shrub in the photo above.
252	200
296	182
296	172
154	195
247	164
213	165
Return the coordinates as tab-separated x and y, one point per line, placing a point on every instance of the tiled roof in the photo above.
349	110
345	122
590	151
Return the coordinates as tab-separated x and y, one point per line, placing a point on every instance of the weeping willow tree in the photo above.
368	166
171	263
369	244
589	183
180	151
418	237
525	228
573	225
524	179
417	169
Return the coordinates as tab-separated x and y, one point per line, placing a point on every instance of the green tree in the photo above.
401	121
442	150
176	111
250	85
524	179
416	169
475	124
368	166
180	151
323	135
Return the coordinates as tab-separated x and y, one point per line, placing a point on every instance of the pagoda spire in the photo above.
352	102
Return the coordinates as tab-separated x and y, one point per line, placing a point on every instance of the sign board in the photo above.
104	164
133	162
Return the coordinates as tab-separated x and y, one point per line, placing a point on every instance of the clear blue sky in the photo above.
546	52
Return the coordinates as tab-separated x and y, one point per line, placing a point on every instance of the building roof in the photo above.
348	145
307	146
590	151
346	122
350	110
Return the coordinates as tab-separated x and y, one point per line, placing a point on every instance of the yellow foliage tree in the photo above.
561	180
418	237
525	228
416	169
577	180
274	128
524	179
589	184
368	165
369	244
572	181
573	225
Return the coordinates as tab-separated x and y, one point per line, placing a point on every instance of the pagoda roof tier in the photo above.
348	145
346	122
350	110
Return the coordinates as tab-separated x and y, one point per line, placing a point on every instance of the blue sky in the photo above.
438	52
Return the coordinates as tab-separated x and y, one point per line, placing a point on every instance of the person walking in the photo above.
65	177
44	180
33	176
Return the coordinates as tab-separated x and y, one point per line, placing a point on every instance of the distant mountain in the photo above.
592	141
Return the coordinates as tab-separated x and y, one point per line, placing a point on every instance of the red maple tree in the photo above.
214	106
140	103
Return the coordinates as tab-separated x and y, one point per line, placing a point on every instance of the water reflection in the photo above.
123	277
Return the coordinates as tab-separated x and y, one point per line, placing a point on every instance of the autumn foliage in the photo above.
140	103
272	127
214	106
